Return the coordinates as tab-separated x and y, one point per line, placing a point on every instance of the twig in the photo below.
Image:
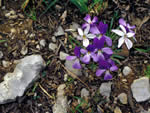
63	46
75	76
51	97
130	101
56	53
101	110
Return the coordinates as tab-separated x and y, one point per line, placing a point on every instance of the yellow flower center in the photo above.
84	37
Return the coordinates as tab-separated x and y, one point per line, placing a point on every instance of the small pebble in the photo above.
1	54
13	30
123	98
63	55
145	61
6	63
38	47
53	38
39	105
117	110
84	93
126	70
32	35
105	89
59	31
52	46
25	31
24	51
43	42
65	77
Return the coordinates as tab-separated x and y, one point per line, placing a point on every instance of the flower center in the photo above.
125	36
84	37
99	36
90	22
89	52
99	51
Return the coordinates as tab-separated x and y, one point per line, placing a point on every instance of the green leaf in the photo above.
147	71
52	3
143	50
118	56
1	41
81	4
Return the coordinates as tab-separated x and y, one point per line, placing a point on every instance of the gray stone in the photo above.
123	98
61	104
68	65
141	89
25	73
62	55
43	42
59	31
52	46
105	89
1	54
84	93
126	70
73	27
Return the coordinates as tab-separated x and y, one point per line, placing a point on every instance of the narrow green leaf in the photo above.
143	50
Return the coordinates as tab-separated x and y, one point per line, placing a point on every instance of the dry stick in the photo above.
75	76
66	50
51	97
131	101
100	108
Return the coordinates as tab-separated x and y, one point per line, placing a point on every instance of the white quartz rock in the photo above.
25	73
141	89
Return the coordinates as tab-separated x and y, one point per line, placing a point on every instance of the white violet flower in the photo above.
124	37
83	35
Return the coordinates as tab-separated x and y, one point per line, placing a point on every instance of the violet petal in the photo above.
99	72
71	57
95	20
102	27
77	51
94	30
83	51
108	40
77	64
107	76
122	22
86	58
85	25
107	50
113	68
87	18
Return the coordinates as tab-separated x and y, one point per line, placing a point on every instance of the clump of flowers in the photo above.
96	45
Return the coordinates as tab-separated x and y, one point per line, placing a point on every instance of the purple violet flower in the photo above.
101	50
89	22
89	53
106	66
100	30
77	53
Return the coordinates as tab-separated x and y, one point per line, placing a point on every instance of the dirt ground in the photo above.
22	32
